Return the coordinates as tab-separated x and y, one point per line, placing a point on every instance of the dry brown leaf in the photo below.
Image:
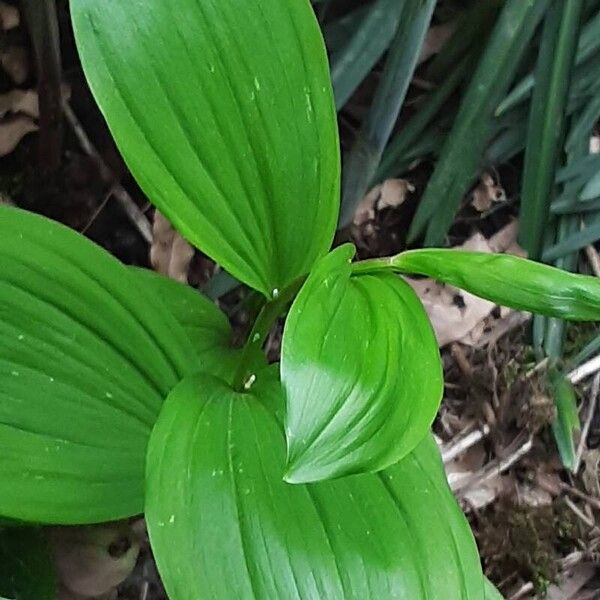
390	194
9	16
487	193
591	472
170	254
435	38
463	468
14	61
20	101
12	131
93	560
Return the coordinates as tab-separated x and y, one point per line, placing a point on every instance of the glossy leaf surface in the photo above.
224	113
206	326
26	569
361	370
86	360
224	525
509	281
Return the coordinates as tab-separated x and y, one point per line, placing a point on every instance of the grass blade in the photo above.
354	61
546	120
365	156
409	135
472	29
588	45
461	154
567	418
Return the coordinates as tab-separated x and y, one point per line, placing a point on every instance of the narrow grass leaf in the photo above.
361	164
462	151
546	120
351	63
566	422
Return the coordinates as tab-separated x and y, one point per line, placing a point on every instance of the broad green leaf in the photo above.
86	360
361	370
207	327
26	569
508	280
546	120
566	422
460	157
224	525
224	113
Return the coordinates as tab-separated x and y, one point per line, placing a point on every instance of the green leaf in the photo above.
546	120
223	111
372	35
461	154
224	525
508	280
566	422
591	189
26	569
490	591
363	160
86	360
361	370
588	44
206	326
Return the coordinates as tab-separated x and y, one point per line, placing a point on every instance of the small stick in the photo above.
462	444
136	216
522	591
542	364
496	468
579	513
588	421
585	370
594	259
579	494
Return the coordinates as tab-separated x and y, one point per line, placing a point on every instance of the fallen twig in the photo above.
585	370
495	468
462	444
136	216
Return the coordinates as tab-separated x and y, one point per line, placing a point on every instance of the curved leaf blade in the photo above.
223	111
223	524
509	281
206	326
361	370
85	362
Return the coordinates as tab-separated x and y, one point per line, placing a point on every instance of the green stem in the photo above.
244	378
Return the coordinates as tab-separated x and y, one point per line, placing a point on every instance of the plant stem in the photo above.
270	312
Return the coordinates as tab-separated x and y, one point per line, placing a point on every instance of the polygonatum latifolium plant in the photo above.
121	392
